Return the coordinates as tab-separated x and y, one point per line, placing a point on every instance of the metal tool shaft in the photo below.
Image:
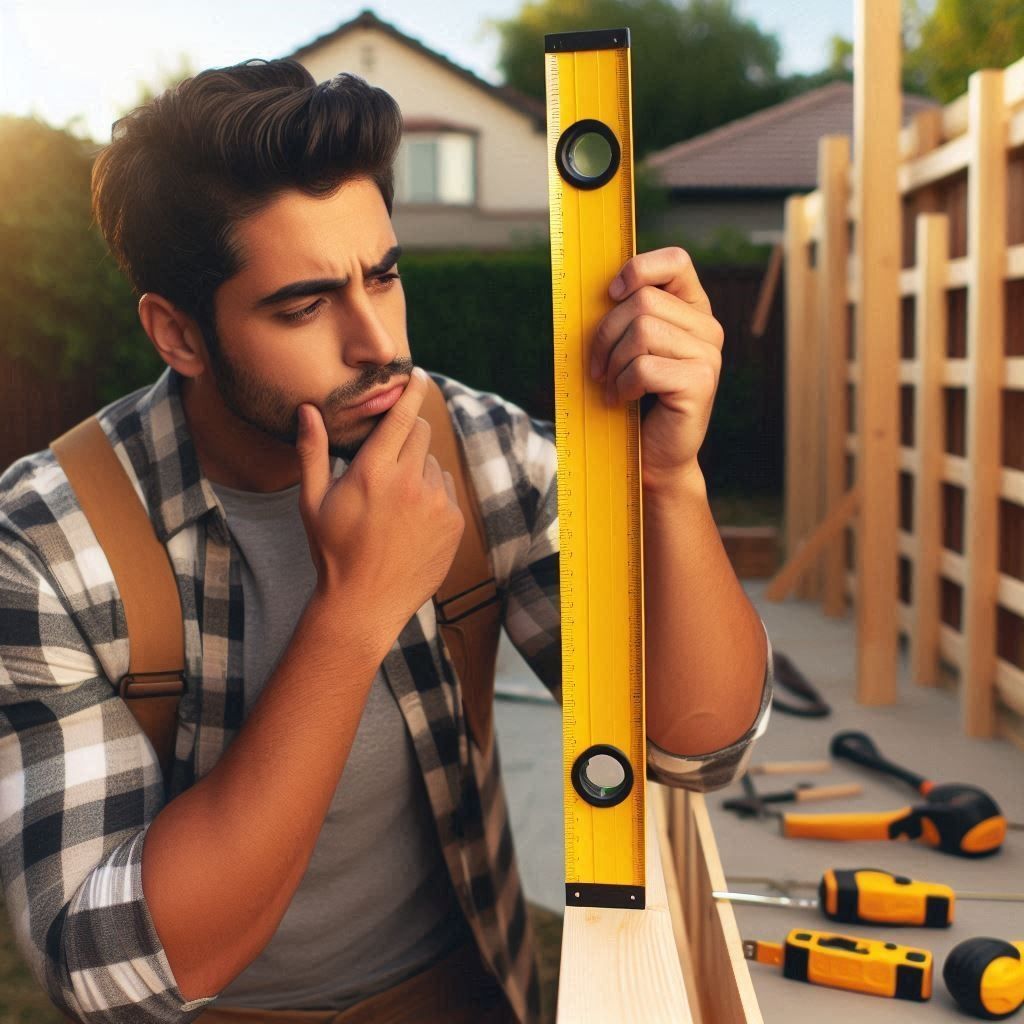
771	901
998	897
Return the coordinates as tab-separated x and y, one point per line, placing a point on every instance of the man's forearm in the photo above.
222	861
706	649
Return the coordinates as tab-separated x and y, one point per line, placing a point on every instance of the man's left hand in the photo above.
661	339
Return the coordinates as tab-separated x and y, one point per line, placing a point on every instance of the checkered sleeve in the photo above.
79	785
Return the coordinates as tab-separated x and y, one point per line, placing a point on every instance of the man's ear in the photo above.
175	335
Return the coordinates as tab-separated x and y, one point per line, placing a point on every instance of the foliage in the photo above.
727	247
954	38
485	319
66	305
703	63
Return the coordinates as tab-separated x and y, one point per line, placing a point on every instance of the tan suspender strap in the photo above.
468	606
145	581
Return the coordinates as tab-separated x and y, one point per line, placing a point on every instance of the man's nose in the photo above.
367	339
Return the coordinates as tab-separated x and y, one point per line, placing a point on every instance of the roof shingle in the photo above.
773	149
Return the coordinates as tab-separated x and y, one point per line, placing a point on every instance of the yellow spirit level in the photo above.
590	191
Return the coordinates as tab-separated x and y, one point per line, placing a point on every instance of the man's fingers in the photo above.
417	444
432	471
449	486
650	302
388	437
670	268
314	463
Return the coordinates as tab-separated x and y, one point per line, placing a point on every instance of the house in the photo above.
738	175
471	171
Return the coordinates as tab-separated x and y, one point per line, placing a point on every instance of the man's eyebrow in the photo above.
314	286
387	261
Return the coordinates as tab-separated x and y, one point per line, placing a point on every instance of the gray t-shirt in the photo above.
376	904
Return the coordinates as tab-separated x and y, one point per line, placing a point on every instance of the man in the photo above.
285	468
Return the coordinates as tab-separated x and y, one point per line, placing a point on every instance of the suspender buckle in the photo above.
460	606
136	685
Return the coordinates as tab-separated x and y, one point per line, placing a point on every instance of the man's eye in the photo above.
384	280
306	313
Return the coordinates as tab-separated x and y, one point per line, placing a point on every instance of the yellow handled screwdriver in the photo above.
875	896
846	961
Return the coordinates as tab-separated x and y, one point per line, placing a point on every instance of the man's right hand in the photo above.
385	532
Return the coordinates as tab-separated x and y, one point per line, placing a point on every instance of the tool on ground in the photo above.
788	677
860	748
590	193
789	767
875	896
846	961
753	805
986	977
958	819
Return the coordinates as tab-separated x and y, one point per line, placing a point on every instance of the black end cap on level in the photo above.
597	894
593	39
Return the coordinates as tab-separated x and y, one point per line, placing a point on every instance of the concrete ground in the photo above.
922	732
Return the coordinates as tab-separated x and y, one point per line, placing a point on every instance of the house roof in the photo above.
772	150
506	94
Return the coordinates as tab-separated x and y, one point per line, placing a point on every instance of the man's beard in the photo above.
258	403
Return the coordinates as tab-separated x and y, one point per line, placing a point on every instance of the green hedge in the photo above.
485	320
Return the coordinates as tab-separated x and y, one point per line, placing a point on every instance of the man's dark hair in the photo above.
183	169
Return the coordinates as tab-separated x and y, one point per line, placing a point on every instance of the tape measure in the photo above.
590	192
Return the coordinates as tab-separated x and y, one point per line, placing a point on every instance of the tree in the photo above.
702	64
67	307
956	37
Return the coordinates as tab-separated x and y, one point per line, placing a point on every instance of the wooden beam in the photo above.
726	991
929	436
830	527
833	260
986	255
766	295
622	966
877	101
800	471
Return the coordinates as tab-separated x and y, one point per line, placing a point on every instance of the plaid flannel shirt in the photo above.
79	783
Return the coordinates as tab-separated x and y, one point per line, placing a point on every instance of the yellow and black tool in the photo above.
590	191
986	977
962	820
875	896
954	818
845	961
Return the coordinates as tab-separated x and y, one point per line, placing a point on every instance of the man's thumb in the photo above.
314	463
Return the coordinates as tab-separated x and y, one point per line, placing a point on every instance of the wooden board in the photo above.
622	966
726	990
877	121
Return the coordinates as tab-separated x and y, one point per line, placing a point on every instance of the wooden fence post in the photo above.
801	387
877	101
986	258
930	349
833	261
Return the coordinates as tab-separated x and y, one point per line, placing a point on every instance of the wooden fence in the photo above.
905	392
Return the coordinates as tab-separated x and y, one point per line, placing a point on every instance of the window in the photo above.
436	167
